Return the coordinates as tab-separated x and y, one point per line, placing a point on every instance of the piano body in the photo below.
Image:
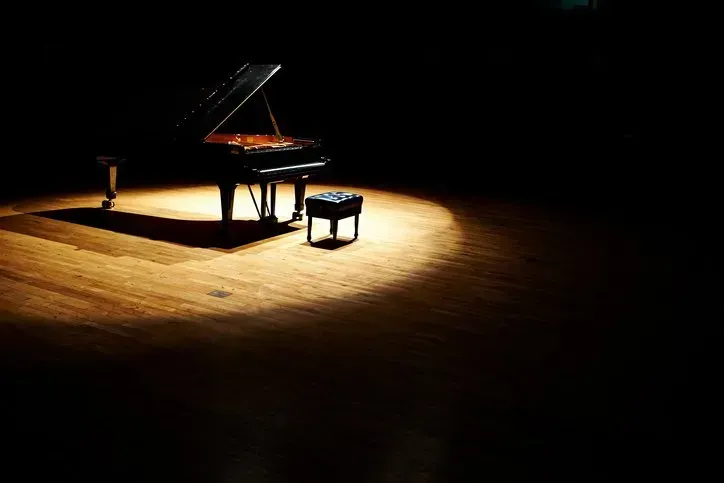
234	158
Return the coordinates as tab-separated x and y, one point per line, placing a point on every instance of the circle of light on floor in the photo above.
75	272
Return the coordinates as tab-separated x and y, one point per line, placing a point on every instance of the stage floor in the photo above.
458	338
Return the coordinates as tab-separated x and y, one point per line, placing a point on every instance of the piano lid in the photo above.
219	103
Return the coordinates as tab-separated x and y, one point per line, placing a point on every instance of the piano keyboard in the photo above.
291	168
265	148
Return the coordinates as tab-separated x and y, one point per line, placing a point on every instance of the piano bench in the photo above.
333	206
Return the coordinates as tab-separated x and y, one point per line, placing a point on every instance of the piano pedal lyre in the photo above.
267	210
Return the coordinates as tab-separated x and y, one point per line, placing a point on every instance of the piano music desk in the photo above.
333	206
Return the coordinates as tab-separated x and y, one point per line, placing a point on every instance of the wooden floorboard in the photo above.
458	339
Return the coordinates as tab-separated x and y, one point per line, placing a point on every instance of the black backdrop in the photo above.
531	103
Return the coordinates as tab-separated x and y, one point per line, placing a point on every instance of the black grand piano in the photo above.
235	158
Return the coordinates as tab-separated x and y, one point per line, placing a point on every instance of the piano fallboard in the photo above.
281	174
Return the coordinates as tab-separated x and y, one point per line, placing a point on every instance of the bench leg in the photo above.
309	230
356	224
335	224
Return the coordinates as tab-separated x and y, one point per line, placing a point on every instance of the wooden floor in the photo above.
456	339
57	268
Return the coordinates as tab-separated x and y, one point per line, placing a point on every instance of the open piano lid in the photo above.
222	101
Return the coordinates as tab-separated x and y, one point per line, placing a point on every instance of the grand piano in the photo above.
236	158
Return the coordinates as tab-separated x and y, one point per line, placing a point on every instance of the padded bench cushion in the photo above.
333	202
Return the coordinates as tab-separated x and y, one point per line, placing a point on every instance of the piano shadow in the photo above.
191	233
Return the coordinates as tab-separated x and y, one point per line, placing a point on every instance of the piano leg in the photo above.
226	191
300	186
111	189
262	188
271	217
273	200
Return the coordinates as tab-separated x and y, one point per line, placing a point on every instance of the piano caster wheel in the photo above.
296	216
107	204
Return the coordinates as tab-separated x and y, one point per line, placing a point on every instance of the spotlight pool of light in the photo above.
117	275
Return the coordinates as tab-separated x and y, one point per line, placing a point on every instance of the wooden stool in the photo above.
333	206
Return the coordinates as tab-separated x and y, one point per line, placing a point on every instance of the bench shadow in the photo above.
192	233
332	244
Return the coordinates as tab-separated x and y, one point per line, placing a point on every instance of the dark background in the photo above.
561	106
519	100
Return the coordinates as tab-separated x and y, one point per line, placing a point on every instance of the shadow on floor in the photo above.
332	244
192	233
